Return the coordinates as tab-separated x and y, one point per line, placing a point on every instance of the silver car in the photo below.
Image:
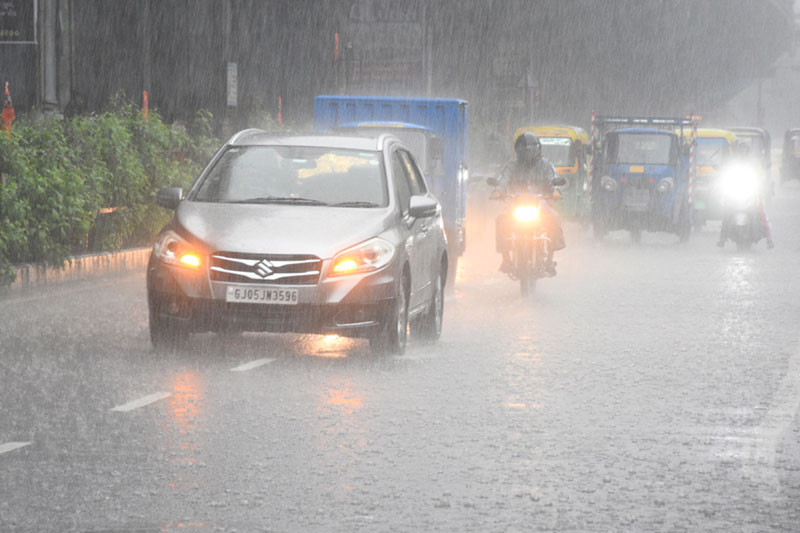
306	234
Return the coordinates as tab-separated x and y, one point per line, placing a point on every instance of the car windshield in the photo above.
711	152
640	148
296	175
415	140
557	150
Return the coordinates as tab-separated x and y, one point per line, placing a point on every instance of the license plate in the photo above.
636	196
699	204
263	295
741	219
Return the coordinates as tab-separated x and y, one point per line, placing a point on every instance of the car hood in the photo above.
280	229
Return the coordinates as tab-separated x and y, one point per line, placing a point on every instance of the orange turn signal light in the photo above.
345	265
190	260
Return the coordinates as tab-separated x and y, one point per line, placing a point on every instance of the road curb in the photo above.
81	267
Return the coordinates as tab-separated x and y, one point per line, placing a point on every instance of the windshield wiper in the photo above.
355	204
280	200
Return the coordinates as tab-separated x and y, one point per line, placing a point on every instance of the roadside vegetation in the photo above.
88	183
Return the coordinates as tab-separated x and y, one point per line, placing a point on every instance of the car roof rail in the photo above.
236	137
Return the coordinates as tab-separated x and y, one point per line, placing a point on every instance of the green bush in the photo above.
60	173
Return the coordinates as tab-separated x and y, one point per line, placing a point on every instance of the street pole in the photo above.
50	72
145	37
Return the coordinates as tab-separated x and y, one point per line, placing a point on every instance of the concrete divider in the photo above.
81	267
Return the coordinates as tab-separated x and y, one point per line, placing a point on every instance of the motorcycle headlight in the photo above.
608	183
365	257
173	249
526	213
739	185
665	185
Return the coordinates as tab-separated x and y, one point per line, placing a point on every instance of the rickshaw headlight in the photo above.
608	183
665	185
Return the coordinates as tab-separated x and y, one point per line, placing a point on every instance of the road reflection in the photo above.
184	416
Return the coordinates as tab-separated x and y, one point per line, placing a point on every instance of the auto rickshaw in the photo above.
712	152
790	167
759	144
641	175
566	148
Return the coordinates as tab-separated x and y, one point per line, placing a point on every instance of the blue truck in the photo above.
433	129
642	175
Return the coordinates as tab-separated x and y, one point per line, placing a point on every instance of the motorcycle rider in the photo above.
529	172
742	156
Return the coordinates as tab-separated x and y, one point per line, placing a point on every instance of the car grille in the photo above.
270	269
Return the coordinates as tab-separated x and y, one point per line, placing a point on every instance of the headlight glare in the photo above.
739	185
365	257
172	249
526	213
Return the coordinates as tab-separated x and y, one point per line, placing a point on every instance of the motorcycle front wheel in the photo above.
525	268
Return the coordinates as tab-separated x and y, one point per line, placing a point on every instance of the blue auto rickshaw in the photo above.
641	174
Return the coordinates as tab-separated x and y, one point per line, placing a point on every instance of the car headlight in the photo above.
608	183
365	257
665	185
173	249
526	213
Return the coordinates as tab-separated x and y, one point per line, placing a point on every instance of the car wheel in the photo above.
393	334
429	326
165	334
599	229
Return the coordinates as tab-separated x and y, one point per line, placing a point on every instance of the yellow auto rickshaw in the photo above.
566	147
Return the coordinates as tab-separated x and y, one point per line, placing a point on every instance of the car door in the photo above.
427	243
414	229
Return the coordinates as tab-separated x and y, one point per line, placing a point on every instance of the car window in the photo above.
262	174
416	182
401	184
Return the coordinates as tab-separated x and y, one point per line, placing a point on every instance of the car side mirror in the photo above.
492	182
560	181
170	197
423	207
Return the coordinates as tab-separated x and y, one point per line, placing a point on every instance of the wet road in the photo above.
646	388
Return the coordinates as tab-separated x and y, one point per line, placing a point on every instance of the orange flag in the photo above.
7	115
145	106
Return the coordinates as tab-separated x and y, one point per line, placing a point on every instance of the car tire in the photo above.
599	229
392	337
165	334
428	327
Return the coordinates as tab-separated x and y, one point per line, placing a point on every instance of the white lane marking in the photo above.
141	402
11	446
252	364
779	418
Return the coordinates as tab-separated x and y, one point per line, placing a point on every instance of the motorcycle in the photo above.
530	247
741	211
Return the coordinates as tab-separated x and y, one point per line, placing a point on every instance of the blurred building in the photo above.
515	60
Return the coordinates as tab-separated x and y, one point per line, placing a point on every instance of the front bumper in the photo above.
352	305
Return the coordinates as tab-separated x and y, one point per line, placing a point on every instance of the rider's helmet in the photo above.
528	148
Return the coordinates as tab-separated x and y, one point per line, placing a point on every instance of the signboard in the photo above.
232	84
18	21
385	42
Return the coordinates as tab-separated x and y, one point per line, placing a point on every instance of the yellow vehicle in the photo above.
712	151
566	147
